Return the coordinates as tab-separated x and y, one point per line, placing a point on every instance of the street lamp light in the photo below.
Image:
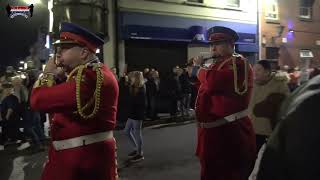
22	76
50	6
43	67
21	62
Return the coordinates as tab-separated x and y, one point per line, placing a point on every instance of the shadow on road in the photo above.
34	166
6	165
21	164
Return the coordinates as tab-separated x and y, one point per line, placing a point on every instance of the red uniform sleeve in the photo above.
54	99
202	75
59	98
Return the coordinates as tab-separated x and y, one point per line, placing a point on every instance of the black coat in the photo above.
185	84
137	105
123	101
10	102
152	88
174	87
293	149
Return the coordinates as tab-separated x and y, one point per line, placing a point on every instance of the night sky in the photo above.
18	34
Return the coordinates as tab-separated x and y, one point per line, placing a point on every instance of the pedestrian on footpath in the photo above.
137	107
226	139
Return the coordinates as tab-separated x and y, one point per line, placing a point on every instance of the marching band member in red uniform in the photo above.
84	109
226	139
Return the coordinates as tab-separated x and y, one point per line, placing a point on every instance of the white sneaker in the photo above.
1	147
23	146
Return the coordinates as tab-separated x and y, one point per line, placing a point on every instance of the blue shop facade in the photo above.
163	41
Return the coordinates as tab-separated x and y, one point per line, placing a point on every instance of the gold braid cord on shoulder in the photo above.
235	76
97	93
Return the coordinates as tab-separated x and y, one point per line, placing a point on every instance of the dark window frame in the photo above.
306	9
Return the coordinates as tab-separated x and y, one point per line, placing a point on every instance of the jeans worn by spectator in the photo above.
133	130
184	105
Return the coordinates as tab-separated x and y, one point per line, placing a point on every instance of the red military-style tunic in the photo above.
226	152
95	161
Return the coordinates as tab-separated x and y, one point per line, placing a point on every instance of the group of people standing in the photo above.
151	82
16	113
182	93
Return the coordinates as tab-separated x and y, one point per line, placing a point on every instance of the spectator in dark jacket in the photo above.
184	101
123	101
195	84
174	90
10	115
136	107
152	89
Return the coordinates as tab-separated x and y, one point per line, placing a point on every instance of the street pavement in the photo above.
168	150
